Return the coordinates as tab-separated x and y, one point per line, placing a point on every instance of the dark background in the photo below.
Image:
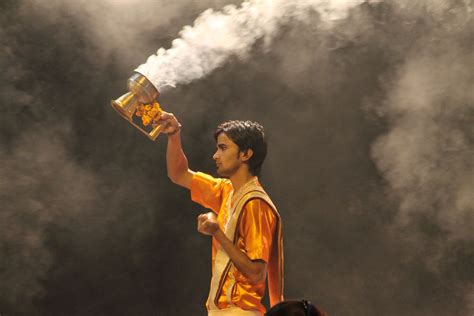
370	126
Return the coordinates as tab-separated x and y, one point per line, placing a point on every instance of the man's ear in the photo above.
246	155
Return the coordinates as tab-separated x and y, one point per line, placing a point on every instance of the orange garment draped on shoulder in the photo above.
255	232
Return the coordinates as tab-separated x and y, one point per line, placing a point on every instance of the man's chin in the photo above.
222	173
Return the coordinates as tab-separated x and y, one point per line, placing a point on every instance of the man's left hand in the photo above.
207	224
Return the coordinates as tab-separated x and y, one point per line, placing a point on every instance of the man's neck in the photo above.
241	177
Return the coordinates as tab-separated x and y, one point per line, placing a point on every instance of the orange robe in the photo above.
256	231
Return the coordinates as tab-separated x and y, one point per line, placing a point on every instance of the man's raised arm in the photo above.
176	161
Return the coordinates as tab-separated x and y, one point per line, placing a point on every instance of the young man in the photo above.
245	225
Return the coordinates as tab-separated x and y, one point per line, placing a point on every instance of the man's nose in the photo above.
215	156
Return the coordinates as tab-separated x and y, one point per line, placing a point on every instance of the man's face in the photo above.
227	156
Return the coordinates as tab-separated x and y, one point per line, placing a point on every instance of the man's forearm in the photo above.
176	161
253	270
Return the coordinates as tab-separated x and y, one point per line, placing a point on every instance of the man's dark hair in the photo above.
247	135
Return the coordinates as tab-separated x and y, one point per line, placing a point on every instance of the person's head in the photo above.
294	308
240	144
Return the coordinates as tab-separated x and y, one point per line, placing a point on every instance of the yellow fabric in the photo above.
255	232
275	266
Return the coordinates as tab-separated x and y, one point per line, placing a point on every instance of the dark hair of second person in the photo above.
294	308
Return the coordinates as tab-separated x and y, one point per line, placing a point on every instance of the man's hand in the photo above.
207	223
170	123
254	270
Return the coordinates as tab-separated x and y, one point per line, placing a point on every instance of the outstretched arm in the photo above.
176	161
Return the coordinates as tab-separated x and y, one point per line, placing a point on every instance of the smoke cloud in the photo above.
217	36
369	112
39	186
426	155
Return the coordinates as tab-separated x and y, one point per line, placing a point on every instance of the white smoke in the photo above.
111	23
428	153
39	185
217	36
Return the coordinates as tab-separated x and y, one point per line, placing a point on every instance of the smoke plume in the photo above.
217	36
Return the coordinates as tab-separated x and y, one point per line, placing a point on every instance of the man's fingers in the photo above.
165	116
202	219
169	122
166	125
205	223
199	222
